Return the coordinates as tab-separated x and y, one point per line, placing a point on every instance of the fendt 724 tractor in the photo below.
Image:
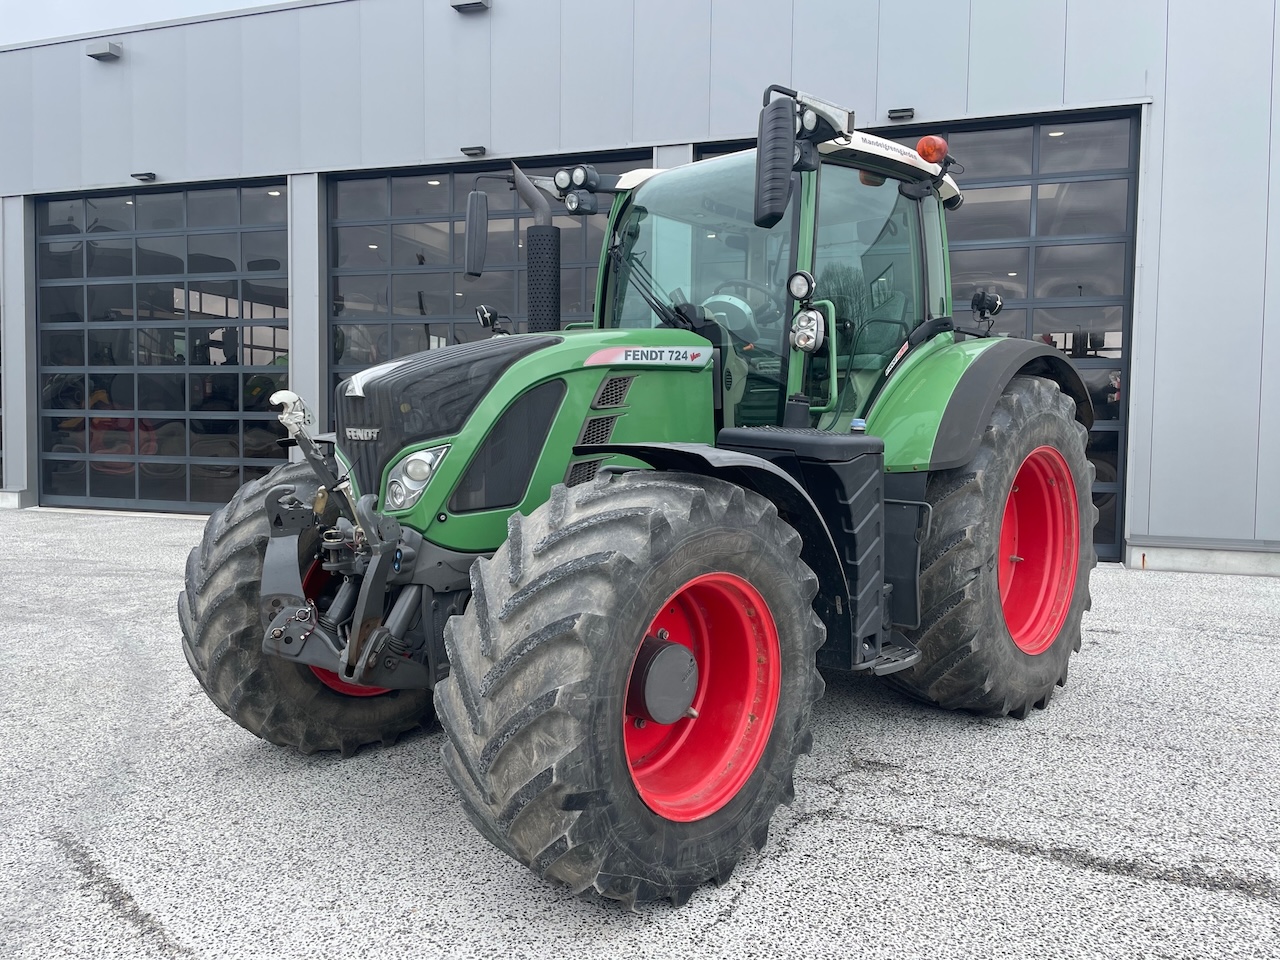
611	559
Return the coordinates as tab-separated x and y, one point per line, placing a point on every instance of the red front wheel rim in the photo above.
315	582
689	769
1039	550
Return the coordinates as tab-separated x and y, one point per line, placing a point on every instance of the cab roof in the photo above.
858	148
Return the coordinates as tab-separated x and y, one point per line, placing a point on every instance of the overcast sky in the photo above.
24	20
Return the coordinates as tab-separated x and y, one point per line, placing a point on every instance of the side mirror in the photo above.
775	156
477	232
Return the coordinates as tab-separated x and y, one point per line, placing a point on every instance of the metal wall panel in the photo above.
595	78
457	86
329	75
307	271
270	94
55	98
157	106
834	52
17	308
1126	59
392	82
1267	520
524	53
212	105
924	59
1213	235
1016	55
671	75
16	120
750	49
105	126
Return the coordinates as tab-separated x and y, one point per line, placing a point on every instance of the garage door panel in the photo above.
152	307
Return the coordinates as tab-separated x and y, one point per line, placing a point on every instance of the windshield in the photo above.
688	237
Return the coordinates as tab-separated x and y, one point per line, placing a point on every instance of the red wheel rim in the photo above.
313	585
1039	550
690	769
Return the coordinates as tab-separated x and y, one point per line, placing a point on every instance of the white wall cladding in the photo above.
390	83
375	83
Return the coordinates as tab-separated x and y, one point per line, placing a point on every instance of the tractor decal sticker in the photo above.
651	356
896	357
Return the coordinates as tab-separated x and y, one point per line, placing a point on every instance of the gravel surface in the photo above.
1138	817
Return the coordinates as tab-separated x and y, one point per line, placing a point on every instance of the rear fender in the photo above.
795	507
933	412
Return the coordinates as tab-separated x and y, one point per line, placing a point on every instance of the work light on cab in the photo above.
800	285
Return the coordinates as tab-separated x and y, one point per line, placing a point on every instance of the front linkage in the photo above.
383	625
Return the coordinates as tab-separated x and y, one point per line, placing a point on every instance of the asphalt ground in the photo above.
1137	817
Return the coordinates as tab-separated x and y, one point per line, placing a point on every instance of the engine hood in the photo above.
382	410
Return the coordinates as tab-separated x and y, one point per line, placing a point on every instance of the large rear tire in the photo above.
553	762
280	701
1005	572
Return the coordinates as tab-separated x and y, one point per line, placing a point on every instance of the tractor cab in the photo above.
852	267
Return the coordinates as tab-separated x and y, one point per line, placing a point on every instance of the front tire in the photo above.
550	757
278	700
1005	572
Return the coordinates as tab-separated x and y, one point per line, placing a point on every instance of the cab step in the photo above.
896	653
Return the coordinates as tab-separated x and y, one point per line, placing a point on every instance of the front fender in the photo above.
933	411
833	603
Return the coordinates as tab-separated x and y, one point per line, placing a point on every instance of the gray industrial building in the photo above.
195	212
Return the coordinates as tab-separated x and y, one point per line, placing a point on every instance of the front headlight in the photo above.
410	477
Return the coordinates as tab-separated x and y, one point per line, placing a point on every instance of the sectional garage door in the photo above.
163	328
1048	223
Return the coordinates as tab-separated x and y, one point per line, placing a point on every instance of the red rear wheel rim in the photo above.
314	584
1039	550
689	769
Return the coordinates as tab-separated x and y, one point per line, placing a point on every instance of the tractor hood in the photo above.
384	409
510	414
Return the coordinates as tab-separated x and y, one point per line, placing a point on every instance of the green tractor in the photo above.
611	559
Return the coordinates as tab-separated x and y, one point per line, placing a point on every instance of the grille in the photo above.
581	472
597	430
612	393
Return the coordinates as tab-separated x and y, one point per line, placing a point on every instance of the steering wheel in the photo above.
775	299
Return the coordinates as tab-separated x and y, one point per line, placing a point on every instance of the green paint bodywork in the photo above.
664	404
909	409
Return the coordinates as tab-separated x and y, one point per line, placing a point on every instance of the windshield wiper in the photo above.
639	277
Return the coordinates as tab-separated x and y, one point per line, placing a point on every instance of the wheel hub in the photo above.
664	681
